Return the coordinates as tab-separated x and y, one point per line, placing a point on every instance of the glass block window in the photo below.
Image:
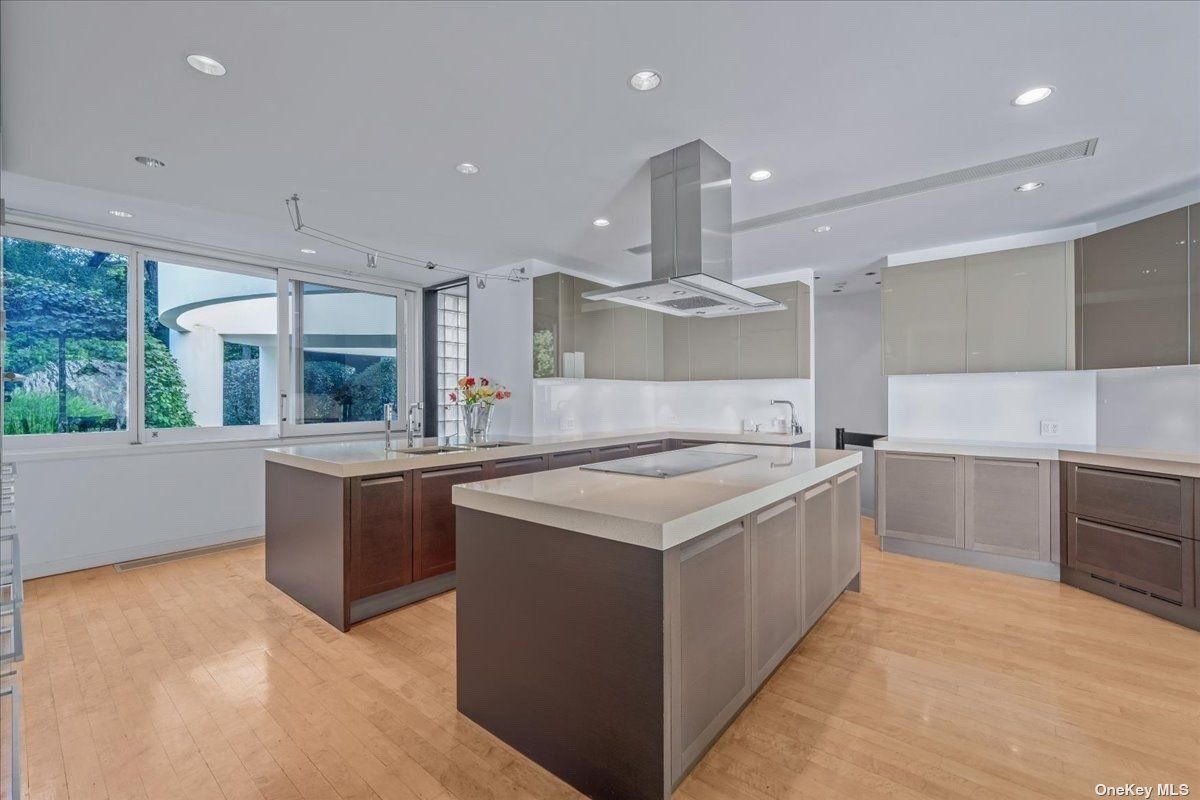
451	357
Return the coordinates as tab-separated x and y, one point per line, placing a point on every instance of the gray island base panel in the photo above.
616	665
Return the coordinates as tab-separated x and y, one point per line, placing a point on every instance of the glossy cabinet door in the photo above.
1008	507
380	534
925	318
1194	279
711	656
433	517
1132	294
776	344
714	348
1019	306
778	603
921	497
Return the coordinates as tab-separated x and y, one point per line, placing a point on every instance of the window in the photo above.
445	357
209	348
107	343
66	348
345	368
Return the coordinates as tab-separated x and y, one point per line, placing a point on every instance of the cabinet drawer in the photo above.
517	466
1157	565
642	448
614	452
573	458
1154	502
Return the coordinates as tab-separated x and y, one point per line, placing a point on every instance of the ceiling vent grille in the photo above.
1005	166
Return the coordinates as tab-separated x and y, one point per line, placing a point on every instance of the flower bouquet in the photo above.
477	396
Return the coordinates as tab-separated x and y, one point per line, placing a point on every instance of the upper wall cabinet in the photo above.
1194	268
625	343
1132	294
925	318
1019	310
997	312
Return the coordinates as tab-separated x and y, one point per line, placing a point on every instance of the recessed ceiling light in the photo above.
601	222
645	80
679	291
760	175
308	251
1034	95
822	229
467	168
207	65
147	161
116	212
644	297
1029	187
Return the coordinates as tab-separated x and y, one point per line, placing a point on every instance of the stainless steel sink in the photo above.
431	449
486	445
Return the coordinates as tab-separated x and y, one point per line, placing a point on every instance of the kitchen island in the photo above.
354	530
610	626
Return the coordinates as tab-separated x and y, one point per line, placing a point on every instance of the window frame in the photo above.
287	309
133	379
136	432
214	433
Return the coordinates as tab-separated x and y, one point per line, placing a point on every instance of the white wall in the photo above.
78	511
500	347
1151	409
851	389
595	406
994	407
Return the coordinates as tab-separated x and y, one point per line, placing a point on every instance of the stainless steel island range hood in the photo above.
691	241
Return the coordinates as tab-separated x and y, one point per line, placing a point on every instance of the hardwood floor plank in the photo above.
197	680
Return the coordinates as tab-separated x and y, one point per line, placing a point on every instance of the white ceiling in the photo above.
364	109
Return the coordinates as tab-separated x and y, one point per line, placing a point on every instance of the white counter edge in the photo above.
647	534
402	462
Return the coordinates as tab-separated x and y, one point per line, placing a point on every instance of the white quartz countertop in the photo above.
1169	462
658	513
368	457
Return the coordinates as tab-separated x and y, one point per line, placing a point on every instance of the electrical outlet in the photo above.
1049	428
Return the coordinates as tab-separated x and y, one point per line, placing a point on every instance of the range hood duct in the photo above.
691	241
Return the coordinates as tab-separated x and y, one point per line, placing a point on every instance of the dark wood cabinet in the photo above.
516	466
1160	566
573	458
644	448
1161	503
380	534
433	517
614	452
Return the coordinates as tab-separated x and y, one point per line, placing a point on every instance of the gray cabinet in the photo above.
1132	294
776	579
1008	507
847	545
920	497
925	318
711	649
777	344
817	551
1019	309
1194	277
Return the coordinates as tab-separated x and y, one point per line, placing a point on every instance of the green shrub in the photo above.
166	395
37	412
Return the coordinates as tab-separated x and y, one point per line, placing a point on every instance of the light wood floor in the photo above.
196	679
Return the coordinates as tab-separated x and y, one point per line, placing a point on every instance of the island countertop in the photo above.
658	513
362	458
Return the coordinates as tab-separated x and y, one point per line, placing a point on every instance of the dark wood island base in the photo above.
616	666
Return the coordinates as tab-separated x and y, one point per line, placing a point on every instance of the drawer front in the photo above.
573	458
643	448
1154	564
1154	502
517	466
614	452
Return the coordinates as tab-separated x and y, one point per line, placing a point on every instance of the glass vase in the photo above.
478	418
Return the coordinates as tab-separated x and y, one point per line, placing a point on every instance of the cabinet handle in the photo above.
771	513
382	481
451	471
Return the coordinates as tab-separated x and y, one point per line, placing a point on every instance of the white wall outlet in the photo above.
1049	428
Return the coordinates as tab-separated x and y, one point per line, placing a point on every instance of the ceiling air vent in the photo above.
979	172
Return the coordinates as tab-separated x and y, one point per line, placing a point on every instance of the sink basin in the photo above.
430	449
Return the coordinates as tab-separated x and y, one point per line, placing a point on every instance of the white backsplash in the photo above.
994	407
596	406
1156	408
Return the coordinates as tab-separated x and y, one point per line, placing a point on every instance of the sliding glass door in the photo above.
347	346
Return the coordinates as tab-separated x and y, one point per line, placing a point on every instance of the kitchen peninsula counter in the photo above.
610	626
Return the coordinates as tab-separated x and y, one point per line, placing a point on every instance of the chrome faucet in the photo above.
414	424
389	413
793	425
